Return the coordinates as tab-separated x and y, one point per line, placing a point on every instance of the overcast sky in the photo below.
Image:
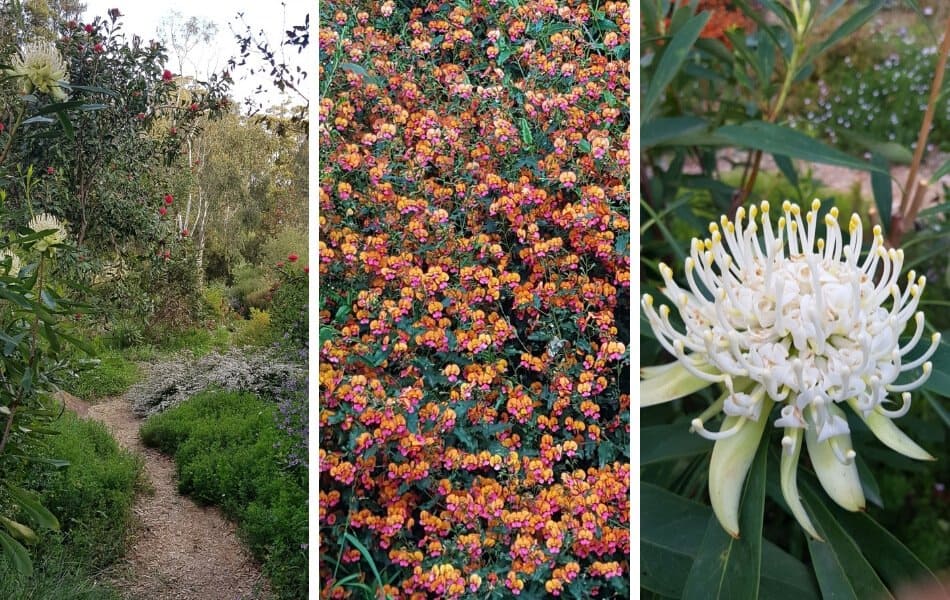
143	18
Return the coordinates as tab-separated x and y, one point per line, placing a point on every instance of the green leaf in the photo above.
891	151
944	169
666	129
16	554
19	530
725	567
673	57
883	195
67	124
942	412
842	570
670	442
785	165
895	563
29	502
670	537
777	139
369	557
526	138
852	24
93	89
939	380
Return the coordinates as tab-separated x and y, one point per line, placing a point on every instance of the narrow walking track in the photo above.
180	551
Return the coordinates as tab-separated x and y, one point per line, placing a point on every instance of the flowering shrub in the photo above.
474	280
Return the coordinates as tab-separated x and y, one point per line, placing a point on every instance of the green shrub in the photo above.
215	296
289	314
226	449
92	498
278	248
198	340
255	331
252	286
111	377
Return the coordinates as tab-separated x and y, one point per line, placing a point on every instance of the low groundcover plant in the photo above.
794	319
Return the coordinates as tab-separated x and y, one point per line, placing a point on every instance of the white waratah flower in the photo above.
42	68
44	222
785	318
14	269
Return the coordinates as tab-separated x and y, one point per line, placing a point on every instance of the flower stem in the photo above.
756	157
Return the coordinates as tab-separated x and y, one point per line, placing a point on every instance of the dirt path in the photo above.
180	551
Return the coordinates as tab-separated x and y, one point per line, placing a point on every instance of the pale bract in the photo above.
41	68
780	316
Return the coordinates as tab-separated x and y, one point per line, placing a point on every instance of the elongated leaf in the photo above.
673	57
666	129
785	165
670	442
852	24
842	570
670	536
727	568
942	412
349	537
14	552
883	196
29	502
939	381
777	139
895	563
891	151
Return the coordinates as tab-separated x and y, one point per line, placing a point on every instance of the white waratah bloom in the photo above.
790	319
44	222
14	269
42	68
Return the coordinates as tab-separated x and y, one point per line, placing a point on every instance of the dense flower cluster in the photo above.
474	293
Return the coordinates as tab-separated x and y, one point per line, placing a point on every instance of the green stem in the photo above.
756	158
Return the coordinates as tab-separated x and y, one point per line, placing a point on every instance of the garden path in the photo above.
180	551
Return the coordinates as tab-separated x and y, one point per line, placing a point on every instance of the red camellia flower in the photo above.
306	269
89	28
173	131
169	199
1	127
292	257
50	170
163	211
184	232
167	75
280	264
193	107
140	116
98	48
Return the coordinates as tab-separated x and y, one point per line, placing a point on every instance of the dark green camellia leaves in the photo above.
725	567
777	139
843	571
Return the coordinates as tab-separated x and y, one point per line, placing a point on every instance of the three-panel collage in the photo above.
412	222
